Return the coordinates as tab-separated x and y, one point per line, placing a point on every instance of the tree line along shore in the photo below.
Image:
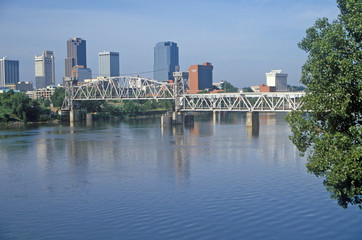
17	108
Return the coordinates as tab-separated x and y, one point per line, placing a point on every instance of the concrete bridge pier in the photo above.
89	119
252	124
177	118
252	119
64	116
216	115
166	120
74	115
189	120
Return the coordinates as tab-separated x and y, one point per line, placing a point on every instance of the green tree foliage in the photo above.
228	87
131	109
20	106
167	105
247	89
295	88
91	105
57	97
331	131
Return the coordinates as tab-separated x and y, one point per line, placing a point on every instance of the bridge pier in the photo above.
89	119
189	120
166	120
216	115
252	119
64	116
252	123
74	115
177	118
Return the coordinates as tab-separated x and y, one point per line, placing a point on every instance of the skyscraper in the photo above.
108	63
76	55
9	71
44	70
165	60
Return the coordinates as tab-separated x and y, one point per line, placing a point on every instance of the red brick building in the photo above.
200	77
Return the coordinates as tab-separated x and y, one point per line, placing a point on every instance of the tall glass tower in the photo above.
165	60
76	55
9	71
108	64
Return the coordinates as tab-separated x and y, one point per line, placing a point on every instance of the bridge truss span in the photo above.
243	102
133	88
116	88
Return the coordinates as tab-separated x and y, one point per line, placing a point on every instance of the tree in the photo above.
328	127
228	87
247	89
58	96
295	88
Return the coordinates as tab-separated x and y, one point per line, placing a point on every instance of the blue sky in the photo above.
243	39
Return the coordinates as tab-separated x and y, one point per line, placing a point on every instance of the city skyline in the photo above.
243	39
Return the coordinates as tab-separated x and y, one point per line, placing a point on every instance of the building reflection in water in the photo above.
137	145
173	154
275	145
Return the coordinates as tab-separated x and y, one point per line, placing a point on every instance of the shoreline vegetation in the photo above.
17	109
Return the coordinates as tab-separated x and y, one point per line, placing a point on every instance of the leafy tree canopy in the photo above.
247	89
331	131
58	97
228	87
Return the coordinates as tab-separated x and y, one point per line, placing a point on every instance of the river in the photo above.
135	180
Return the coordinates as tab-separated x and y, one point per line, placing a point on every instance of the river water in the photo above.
136	180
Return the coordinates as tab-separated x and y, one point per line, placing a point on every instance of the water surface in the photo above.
136	180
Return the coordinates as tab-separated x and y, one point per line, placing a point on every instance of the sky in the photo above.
243	39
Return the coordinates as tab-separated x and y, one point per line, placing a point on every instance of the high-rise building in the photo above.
76	55
200	77
44	70
165	60
277	79
108	63
9	71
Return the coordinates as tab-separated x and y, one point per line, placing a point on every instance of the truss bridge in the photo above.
137	88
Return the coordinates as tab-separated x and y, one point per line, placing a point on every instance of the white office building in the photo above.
277	79
108	63
44	70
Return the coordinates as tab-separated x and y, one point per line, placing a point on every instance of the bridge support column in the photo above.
64	116
166	120
189	120
252	119
74	116
252	124
89	119
177	118
216	115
